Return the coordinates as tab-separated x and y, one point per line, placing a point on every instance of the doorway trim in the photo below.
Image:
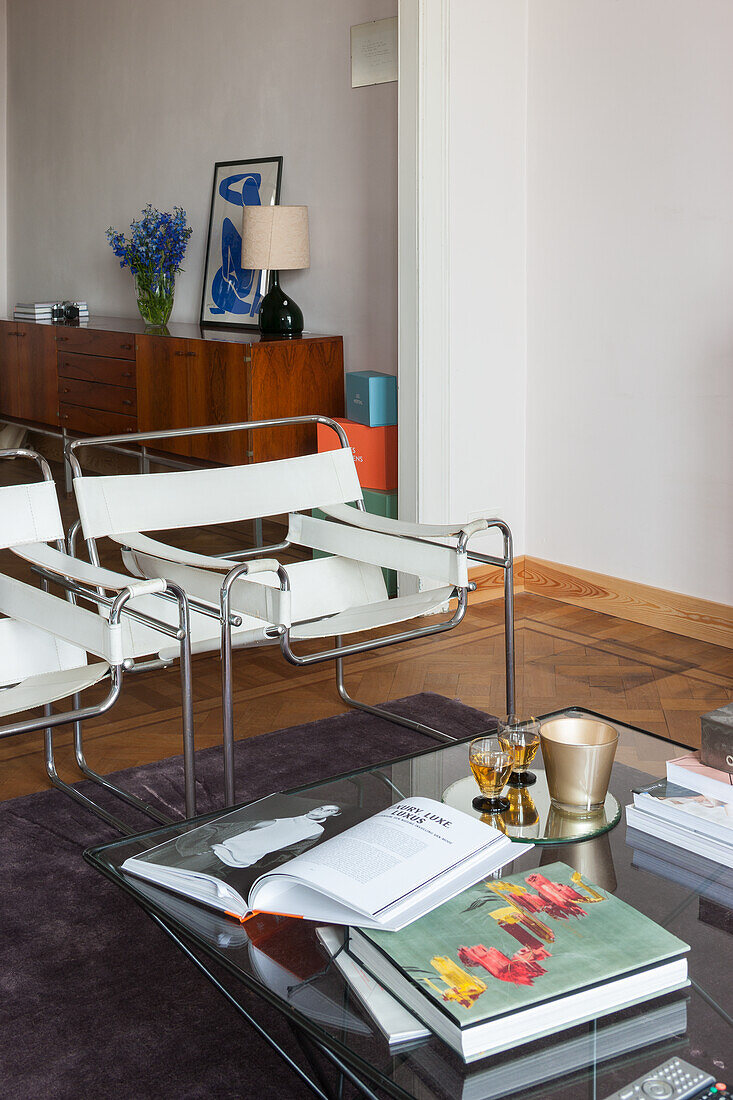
424	277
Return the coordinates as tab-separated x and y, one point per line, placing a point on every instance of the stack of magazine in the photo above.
691	810
43	311
511	960
415	919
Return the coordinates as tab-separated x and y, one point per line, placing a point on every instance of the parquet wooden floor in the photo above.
565	656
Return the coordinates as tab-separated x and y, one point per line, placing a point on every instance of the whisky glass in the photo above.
491	764
523	737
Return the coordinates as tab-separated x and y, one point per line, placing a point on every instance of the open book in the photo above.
287	855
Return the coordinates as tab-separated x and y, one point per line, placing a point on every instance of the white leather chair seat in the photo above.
27	650
375	615
322	586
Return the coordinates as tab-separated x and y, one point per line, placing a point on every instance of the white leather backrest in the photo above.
196	498
29	513
27	651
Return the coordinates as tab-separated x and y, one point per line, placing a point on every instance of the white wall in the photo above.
630	290
488	79
117	103
589	282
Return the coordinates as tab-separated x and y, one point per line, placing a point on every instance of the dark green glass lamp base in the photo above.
279	315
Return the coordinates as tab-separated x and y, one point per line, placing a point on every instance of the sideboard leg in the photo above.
68	482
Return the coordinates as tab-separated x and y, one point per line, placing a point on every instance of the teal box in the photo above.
379	504
371	398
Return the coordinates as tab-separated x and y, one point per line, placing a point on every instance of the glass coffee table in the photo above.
336	1041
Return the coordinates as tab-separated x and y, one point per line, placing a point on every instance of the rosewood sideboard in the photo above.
109	376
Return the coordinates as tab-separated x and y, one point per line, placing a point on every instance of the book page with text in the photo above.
386	858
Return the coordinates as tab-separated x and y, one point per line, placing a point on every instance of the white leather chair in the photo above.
261	600
45	638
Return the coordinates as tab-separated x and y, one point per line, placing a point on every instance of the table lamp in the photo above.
275	239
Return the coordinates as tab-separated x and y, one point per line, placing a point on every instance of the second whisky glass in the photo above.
523	738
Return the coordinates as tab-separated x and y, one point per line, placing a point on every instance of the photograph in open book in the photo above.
244	844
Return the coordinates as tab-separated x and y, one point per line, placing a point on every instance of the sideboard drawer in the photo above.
94	368
95	395
119	345
95	421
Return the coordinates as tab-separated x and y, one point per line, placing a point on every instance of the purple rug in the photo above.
94	999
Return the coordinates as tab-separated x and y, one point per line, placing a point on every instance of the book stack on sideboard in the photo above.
371	427
43	311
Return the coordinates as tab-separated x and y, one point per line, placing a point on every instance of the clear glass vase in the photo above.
155	297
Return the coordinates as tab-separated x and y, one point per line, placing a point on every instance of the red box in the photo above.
374	450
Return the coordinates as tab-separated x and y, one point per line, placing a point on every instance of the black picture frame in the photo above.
231	295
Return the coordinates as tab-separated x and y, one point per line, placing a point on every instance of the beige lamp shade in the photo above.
275	238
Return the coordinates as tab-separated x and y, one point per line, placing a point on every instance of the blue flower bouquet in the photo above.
153	252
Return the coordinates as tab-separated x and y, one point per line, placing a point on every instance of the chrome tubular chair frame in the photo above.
281	635
116	610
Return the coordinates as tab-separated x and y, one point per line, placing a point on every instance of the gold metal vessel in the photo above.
578	755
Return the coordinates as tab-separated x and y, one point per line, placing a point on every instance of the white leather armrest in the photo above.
143	544
93	575
445	564
368	522
145	588
260	565
261	599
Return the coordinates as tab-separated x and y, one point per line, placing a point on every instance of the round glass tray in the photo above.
531	817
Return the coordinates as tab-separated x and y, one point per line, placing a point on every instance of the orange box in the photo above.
374	450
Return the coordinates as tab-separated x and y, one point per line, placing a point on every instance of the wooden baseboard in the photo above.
639	603
489	581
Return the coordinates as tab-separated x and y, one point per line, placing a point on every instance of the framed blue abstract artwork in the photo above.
231	294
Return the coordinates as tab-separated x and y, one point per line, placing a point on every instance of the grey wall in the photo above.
115	103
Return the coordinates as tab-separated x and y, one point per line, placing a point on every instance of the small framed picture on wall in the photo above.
231	294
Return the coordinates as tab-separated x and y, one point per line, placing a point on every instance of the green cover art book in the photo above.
507	944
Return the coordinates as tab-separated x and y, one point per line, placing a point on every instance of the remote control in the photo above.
673	1080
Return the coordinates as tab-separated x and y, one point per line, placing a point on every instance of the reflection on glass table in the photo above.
530	816
290	971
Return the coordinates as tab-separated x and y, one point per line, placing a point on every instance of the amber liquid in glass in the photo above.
491	777
523	754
